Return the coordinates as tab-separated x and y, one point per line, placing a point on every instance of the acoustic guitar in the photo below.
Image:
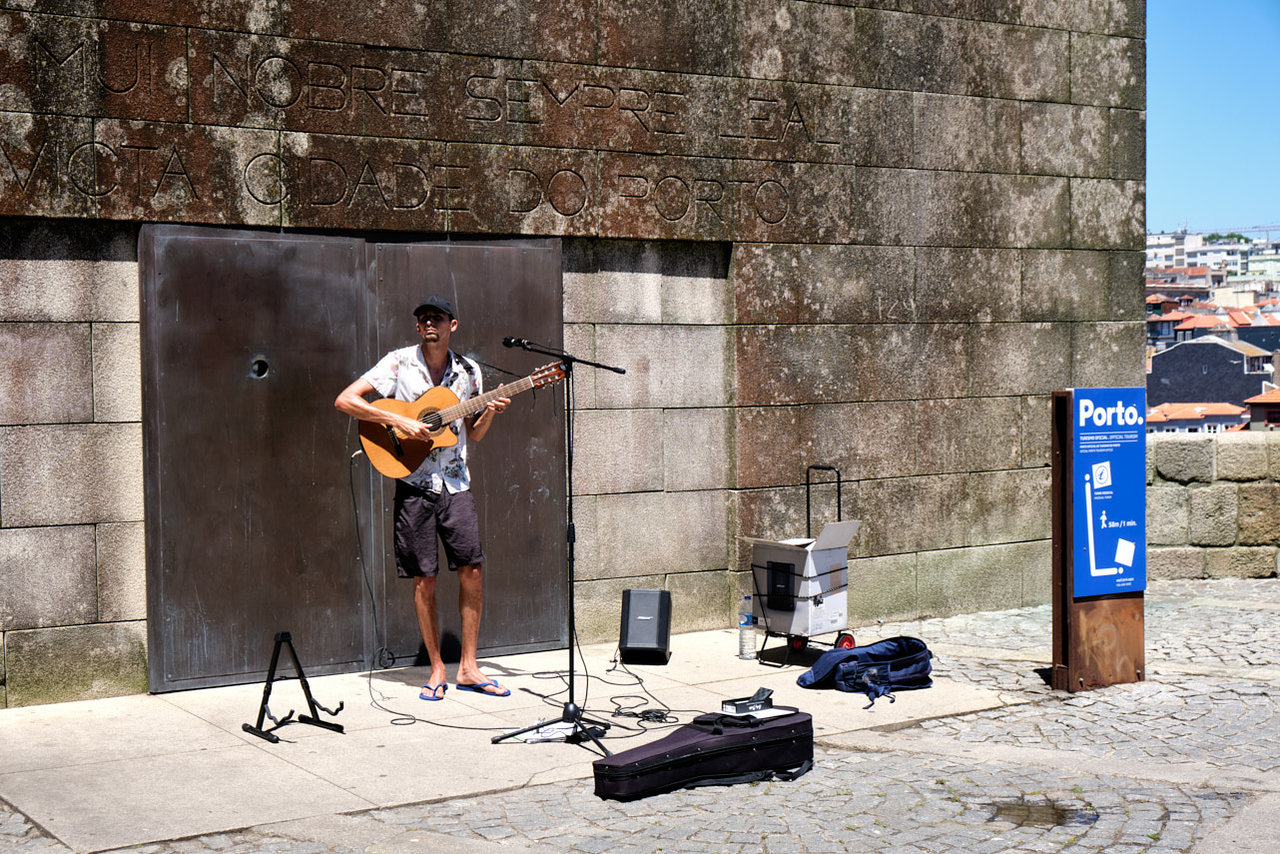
395	455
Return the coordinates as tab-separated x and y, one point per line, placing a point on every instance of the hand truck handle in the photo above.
808	519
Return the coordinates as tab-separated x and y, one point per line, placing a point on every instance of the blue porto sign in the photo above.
1109	491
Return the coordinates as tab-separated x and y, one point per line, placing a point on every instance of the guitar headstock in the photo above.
547	374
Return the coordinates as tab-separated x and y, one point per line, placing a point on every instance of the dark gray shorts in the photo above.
421	517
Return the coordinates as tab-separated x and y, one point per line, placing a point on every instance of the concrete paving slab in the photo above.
123	802
96	731
399	765
947	650
681	699
156	767
231	706
396	691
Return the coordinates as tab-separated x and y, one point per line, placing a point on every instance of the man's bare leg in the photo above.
424	601
470	603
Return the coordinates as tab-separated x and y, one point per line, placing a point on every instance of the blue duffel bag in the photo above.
876	670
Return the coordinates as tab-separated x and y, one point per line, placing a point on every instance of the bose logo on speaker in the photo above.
644	616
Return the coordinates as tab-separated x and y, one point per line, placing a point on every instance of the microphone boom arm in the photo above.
569	360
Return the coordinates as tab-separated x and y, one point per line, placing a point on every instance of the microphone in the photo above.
515	342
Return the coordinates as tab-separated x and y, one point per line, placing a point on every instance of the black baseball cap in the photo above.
436	302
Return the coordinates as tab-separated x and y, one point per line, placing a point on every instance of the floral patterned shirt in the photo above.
403	375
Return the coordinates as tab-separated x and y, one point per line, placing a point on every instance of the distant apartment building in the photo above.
1163	331
1180	249
1209	368
1167	250
1264	262
1228	255
1256	323
1185	284
1235	257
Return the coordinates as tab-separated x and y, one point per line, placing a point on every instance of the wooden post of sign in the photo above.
1097	640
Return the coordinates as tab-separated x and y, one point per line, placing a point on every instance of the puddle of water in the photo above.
1049	814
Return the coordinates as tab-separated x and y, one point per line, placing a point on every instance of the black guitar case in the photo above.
713	750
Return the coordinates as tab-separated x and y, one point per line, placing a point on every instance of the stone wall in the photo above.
654	464
1213	505
871	235
72	570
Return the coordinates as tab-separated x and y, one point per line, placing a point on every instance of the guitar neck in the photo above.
472	405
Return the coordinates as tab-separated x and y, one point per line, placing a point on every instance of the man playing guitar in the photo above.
435	498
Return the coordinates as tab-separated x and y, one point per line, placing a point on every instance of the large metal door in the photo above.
256	514
518	471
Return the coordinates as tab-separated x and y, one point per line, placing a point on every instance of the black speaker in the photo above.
645	637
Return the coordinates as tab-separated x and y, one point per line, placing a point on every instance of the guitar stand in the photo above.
315	708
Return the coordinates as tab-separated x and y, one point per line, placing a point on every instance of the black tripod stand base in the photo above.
584	729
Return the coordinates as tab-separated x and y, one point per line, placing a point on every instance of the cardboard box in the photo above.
802	585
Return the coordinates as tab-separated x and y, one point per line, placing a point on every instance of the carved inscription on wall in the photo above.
77	67
171	172
170	123
326	88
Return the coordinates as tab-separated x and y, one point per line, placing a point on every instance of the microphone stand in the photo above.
582	726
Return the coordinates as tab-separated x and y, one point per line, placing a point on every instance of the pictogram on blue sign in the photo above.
1109	491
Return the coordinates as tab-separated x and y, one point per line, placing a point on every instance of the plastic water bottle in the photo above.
746	630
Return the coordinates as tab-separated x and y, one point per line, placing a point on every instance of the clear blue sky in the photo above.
1213	121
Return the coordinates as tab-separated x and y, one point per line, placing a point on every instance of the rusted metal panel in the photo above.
518	471
1106	641
249	526
257	517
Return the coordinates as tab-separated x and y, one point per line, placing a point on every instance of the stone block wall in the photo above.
653	464
1213	505
72	568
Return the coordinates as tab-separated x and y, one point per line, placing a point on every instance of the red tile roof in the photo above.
1272	396
1190	411
1202	321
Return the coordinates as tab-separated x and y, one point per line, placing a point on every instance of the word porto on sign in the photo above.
1106	416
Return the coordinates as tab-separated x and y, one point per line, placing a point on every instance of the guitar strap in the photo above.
466	364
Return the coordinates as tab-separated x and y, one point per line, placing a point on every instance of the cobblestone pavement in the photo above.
1208	702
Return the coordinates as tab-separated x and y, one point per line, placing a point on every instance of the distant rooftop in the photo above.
1191	411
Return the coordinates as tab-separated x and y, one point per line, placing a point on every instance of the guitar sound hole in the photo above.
432	421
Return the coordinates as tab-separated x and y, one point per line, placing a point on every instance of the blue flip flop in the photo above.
430	692
479	688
